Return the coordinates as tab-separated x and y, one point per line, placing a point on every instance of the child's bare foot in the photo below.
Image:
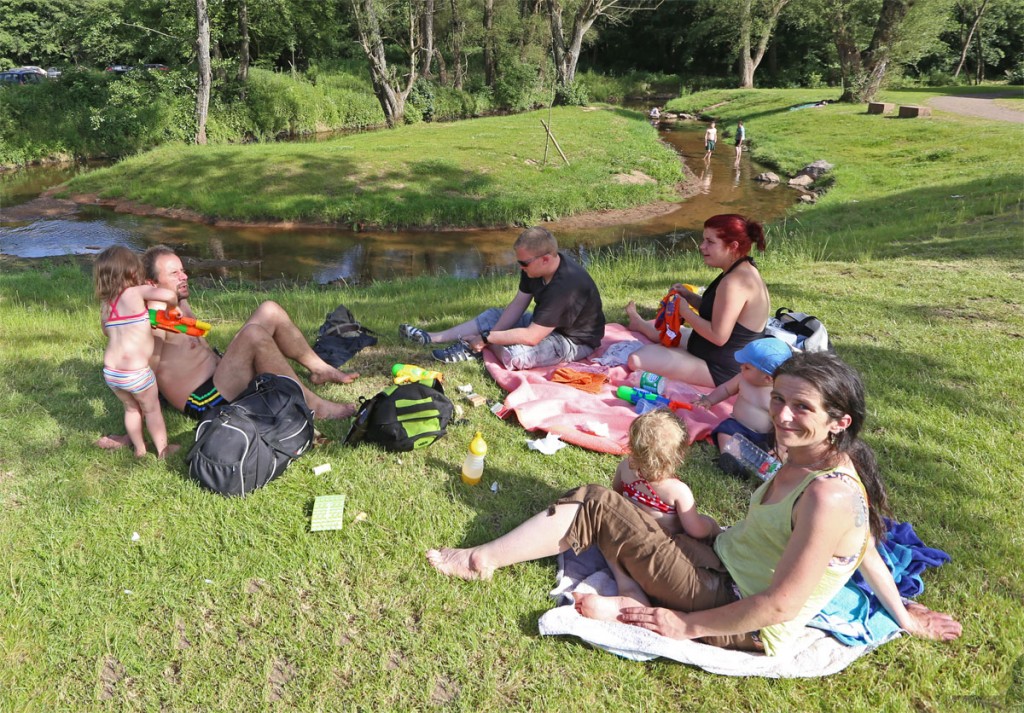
636	322
169	450
141	454
459	563
112	443
333	376
335	411
594	606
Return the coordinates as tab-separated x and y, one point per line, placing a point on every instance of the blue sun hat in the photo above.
765	354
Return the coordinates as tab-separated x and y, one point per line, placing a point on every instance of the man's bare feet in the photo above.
594	606
112	443
334	411
458	563
333	376
636	322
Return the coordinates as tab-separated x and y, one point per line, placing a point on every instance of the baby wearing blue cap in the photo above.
752	388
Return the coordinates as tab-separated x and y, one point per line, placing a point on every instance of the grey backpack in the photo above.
799	330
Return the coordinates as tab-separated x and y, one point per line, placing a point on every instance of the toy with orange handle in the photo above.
171	320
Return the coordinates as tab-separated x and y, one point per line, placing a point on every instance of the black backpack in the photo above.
341	337
403	417
253	439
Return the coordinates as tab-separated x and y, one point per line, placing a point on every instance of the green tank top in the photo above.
751	549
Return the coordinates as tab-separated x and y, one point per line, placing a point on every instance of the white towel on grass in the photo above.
815	653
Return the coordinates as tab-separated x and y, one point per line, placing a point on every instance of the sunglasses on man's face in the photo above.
526	263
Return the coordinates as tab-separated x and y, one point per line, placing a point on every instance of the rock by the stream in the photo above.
767	177
801	181
815	170
808	198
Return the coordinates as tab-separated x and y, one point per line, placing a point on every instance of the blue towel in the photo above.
855	616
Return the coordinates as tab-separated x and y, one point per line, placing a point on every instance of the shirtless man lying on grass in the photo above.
193	378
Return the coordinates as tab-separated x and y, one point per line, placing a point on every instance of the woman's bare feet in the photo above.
636	322
465	564
594	606
332	376
112	443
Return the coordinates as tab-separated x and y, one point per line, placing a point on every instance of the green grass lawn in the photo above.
482	172
233	604
1015	103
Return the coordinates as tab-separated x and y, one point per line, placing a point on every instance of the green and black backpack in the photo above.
403	417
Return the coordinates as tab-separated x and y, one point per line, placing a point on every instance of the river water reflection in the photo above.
322	255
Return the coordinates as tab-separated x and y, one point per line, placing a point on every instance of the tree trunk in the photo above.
243	49
864	72
458	32
566	50
427	35
203	52
490	61
750	62
981	62
970	35
391	98
746	62
557	40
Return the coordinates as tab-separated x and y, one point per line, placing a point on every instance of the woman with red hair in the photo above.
732	312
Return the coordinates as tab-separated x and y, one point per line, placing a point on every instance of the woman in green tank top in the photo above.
808	529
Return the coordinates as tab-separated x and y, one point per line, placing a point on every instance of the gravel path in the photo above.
975	105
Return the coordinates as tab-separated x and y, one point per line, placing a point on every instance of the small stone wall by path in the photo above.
983	106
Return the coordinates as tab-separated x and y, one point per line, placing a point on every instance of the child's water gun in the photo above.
171	320
405	373
636	395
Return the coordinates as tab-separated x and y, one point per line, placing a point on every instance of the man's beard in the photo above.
183	291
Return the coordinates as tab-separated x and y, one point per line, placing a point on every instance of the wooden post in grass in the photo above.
555	141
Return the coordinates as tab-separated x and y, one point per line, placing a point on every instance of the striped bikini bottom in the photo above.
131	381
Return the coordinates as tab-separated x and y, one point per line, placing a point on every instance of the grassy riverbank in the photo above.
481	172
226	604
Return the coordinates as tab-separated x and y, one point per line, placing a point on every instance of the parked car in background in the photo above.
119	68
21	75
156	67
53	73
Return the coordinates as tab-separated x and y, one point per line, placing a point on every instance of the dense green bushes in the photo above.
89	113
617	88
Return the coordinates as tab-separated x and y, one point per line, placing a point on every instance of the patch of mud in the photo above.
281	674
44	207
444	693
633	178
111	674
182	642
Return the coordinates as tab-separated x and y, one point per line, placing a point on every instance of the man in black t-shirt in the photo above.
567	323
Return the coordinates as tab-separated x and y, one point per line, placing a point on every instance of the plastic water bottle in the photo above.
473	466
753	459
647	381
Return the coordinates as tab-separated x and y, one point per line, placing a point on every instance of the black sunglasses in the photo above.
526	263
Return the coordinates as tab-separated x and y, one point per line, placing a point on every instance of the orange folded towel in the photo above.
582	380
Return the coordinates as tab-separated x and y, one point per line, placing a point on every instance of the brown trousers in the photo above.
676	572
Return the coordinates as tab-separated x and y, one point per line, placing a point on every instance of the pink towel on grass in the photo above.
542	405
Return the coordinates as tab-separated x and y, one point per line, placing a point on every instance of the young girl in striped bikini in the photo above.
119	279
647	476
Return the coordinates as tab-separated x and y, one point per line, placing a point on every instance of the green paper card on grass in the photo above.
327	513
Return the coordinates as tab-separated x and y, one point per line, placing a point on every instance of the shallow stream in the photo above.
328	255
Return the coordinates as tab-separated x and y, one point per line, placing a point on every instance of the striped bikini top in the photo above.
116	320
650	499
